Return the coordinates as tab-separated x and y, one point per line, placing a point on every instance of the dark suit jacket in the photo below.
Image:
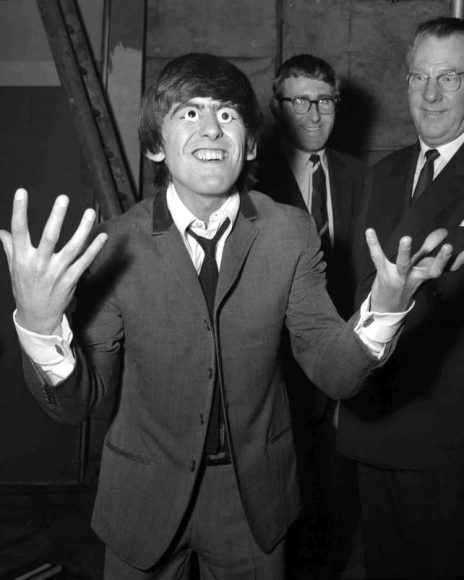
143	320
411	416
346	174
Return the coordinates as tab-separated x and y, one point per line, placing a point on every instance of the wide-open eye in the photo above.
225	116
191	114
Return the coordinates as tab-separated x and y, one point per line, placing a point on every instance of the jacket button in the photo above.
193	465
210	373
202	420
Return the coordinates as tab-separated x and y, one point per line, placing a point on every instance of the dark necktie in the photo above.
319	201
426	174
208	276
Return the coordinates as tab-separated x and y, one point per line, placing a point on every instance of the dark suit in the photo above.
328	481
346	175
411	416
145	319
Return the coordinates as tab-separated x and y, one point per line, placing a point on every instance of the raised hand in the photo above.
43	280
395	284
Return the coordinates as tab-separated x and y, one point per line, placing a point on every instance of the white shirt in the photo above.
53	354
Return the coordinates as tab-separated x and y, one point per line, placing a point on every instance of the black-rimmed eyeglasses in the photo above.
448	82
301	105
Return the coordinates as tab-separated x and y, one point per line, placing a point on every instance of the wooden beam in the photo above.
88	134
100	109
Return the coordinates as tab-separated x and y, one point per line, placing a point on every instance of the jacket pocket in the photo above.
128	454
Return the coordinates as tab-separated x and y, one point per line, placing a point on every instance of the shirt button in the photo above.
210	373
193	465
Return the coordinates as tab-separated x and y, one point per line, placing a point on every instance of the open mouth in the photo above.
210	154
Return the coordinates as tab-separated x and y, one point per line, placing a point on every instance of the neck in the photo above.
203	206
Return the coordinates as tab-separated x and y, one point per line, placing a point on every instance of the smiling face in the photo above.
308	132
204	147
437	115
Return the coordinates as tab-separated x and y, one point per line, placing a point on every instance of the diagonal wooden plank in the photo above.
87	129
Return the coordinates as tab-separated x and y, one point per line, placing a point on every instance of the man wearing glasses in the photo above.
298	168
407	431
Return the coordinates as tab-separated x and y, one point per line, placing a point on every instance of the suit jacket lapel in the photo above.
172	249
290	191
342	198
237	246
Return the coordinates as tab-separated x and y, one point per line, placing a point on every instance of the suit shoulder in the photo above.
138	216
345	164
272	210
346	158
395	158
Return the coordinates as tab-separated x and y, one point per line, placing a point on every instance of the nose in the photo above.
432	91
313	112
210	126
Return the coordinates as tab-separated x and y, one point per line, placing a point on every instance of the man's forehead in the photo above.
202	103
305	84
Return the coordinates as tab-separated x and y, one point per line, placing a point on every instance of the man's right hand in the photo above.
43	280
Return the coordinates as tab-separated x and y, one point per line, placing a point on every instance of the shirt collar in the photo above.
183	217
298	159
447	150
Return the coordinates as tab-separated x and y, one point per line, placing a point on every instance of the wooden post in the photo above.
100	109
81	108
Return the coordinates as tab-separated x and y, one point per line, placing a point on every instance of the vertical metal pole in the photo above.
458	8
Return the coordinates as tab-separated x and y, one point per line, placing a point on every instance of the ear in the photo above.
251	151
274	105
157	157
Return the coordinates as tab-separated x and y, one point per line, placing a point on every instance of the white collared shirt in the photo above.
446	152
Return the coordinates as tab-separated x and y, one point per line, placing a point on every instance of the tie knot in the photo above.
209	244
314	158
431	155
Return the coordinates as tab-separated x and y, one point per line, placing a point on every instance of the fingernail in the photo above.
20	194
62	200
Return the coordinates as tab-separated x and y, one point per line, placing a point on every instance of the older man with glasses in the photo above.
407	431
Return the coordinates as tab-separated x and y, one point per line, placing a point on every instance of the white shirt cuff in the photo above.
377	329
51	353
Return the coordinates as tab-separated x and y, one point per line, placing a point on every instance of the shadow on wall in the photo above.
355	119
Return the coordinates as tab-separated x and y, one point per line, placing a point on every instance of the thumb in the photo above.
7	242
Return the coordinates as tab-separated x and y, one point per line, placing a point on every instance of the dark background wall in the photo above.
365	40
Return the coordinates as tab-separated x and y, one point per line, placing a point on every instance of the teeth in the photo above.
209	154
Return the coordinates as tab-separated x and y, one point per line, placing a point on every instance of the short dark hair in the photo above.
306	65
441	27
198	75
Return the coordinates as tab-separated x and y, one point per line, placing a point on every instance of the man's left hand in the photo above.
396	283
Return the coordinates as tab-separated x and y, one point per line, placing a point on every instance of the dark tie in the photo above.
426	174
215	443
319	201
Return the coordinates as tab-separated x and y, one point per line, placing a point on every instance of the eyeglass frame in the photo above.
335	100
428	77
